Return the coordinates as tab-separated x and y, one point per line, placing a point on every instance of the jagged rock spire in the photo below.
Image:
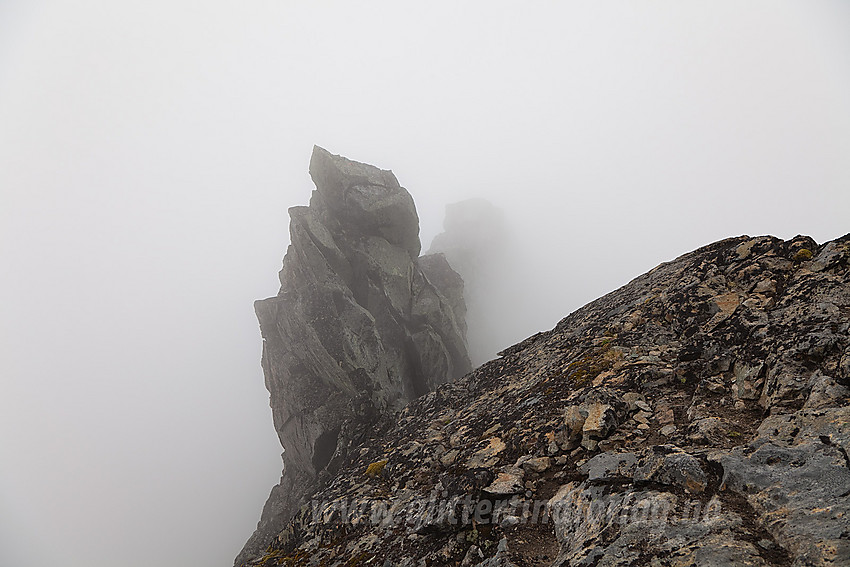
357	330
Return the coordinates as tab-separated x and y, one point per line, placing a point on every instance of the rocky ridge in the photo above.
696	416
360	327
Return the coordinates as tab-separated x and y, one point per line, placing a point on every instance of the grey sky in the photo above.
148	153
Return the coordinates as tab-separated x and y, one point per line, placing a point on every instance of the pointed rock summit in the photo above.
360	327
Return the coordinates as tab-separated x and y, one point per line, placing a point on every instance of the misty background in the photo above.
149	151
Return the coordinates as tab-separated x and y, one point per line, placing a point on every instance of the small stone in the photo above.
642	417
632	399
507	482
667	430
449	458
765	286
538	464
574	421
509	521
609	465
601	419
665	416
672	466
643	426
493	429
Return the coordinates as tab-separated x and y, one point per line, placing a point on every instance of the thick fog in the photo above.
149	151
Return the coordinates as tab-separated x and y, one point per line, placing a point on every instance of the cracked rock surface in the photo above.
696	416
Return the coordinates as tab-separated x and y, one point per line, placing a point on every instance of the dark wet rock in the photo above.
696	416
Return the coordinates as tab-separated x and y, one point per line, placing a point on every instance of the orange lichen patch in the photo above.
376	468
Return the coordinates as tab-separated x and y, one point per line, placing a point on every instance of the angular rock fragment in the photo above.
668	464
609	466
508	481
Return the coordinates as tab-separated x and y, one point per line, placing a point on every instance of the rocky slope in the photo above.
360	327
696	416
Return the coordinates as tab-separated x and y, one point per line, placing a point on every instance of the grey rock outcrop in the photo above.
796	474
360	327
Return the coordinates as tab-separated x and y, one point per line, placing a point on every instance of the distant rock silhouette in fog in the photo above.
477	242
